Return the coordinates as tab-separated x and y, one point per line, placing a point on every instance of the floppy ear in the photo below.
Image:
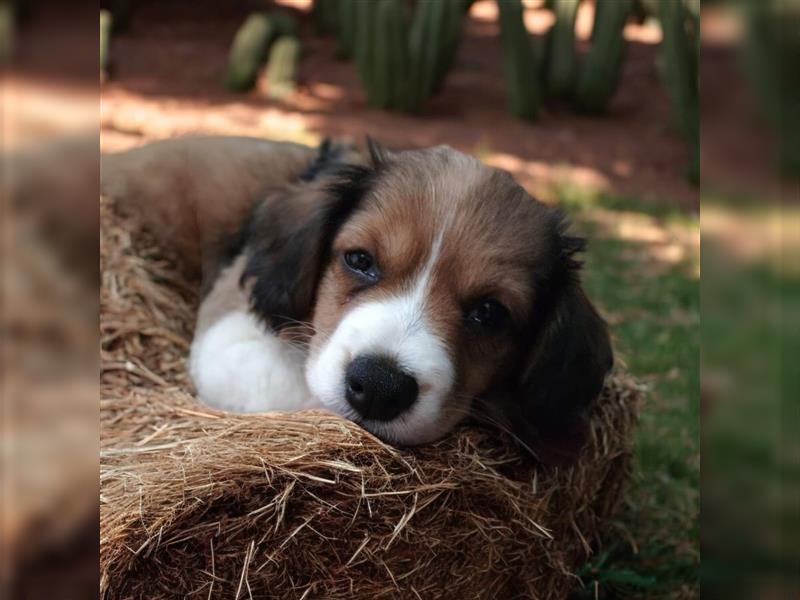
288	243
564	376
566	365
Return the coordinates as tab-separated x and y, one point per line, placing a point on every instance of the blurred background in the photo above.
593	105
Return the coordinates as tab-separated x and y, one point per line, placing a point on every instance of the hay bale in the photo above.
309	505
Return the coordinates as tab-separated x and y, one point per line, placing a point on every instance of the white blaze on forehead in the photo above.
396	327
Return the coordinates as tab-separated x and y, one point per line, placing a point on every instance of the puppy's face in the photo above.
440	292
429	280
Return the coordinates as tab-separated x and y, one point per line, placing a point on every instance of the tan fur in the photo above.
191	191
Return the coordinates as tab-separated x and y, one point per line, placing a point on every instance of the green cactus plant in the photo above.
680	49
599	73
7	20
282	66
363	46
346	31
106	24
451	35
770	59
380	74
561	63
680	67
400	66
599	7
250	46
419	39
122	11
434	28
284	23
326	15
399	61
390	68
519	61
432	43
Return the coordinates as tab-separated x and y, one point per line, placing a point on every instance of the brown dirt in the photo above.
167	81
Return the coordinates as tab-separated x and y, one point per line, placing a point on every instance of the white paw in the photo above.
238	366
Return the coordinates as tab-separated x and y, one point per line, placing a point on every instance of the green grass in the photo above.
653	305
751	384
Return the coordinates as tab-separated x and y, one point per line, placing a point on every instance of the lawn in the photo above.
751	296
642	269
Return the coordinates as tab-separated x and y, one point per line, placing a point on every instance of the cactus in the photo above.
396	33
561	48
680	66
433	40
400	67
282	66
249	48
106	23
770	52
519	61
283	23
326	15
418	40
452	32
380	75
346	31
599	73
363	48
434	46
381	52
599	7
680	51
644	9
7	19
122	11
390	69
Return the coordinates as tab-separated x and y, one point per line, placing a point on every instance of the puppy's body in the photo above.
405	293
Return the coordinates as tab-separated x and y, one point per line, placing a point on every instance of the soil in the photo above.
167	80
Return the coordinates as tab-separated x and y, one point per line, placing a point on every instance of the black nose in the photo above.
378	389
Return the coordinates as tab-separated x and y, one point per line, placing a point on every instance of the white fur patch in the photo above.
237	365
396	328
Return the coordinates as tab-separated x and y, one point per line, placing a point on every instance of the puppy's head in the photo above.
437	288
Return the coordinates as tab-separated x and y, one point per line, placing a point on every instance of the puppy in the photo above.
406	293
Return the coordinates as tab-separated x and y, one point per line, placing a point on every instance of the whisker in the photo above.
487	419
299	333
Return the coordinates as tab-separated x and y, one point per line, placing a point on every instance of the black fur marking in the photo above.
572	359
289	252
328	160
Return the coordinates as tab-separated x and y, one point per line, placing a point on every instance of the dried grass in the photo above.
195	502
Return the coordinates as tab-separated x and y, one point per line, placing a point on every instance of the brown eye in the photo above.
487	315
361	264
